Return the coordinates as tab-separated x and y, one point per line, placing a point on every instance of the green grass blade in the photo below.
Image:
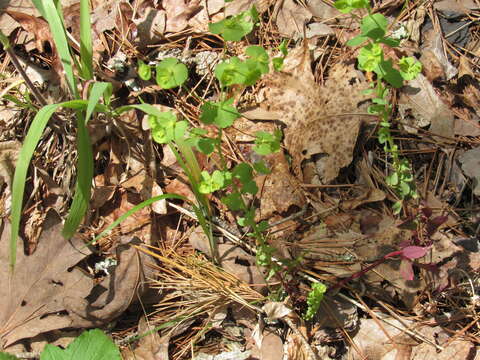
86	49
146	108
18	186
135	209
98	89
19	179
49	11
83	187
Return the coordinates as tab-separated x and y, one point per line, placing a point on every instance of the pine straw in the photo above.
194	288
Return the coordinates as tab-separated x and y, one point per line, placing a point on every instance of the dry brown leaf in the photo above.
433	46
33	299
150	347
470	161
279	190
321	10
462	7
178	13
7	24
237	6
291	18
365	196
322	121
151	26
33	228
425	106
113	295
36	26
147	187
374	340
272	346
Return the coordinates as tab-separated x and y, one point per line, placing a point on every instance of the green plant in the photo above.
237	184
314	299
371	58
90	345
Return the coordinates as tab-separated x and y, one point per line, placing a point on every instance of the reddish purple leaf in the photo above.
427	212
415	252
406	269
434	224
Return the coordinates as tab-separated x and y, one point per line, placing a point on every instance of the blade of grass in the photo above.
29	145
49	11
83	186
86	50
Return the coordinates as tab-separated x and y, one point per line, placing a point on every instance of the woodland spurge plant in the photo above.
235	185
371	58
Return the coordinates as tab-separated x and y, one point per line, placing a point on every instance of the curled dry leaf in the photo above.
322	122
113	295
36	26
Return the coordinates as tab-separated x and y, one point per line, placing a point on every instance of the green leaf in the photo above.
86	48
374	26
253	73
283	47
409	67
7	356
233	28
278	63
370	56
357	40
233	201
244	172
397	207
19	179
5	43
267	143
249	187
222	114
386	71
390	42
346	6
261	168
216	181
314	299
90	345
260	56
83	184
55	21
162	126
144	70
231	71
171	73
206	145
392	179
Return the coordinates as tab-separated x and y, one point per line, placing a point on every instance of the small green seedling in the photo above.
314	299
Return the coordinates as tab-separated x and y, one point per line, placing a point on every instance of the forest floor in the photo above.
313	203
